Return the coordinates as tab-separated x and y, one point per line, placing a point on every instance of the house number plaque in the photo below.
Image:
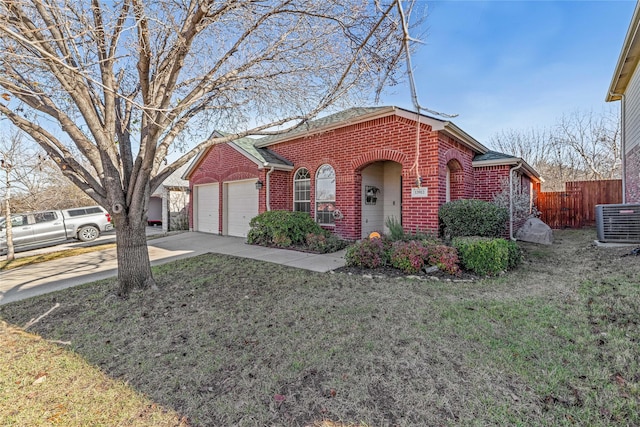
419	192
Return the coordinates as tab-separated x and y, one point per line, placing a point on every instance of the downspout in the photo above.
268	199
623	145
518	166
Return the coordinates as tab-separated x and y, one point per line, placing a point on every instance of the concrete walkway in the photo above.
41	278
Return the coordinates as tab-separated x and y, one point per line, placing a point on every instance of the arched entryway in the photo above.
454	184
381	195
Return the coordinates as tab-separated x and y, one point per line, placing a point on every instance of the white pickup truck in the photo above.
37	229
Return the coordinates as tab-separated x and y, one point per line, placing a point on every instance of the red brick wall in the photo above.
221	164
488	181
281	184
351	148
459	159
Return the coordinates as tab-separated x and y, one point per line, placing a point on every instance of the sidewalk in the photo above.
38	279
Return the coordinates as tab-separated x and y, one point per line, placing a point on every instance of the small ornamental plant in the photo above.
445	258
368	253
408	256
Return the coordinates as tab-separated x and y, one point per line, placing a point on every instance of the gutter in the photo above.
518	166
623	143
268	198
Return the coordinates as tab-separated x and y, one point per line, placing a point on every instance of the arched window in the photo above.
302	191
325	194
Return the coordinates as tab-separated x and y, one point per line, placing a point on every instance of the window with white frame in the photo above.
302	191
325	195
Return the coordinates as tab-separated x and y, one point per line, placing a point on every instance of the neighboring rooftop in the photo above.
174	181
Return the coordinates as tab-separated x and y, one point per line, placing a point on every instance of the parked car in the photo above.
36	229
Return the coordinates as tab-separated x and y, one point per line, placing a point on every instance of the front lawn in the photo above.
229	341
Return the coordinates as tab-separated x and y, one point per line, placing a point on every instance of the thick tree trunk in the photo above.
134	266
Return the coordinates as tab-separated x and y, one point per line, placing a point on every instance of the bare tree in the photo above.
594	139
36	182
18	164
7	167
126	82
580	146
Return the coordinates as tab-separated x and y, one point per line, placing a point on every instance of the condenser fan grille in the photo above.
618	223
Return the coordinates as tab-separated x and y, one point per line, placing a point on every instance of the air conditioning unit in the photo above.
618	223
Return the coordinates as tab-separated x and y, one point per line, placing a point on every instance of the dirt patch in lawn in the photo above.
229	341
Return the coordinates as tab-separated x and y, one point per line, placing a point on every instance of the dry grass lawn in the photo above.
229	341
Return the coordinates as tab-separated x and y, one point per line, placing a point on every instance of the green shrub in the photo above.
396	231
408	256
282	228
487	256
515	254
472	218
368	253
324	243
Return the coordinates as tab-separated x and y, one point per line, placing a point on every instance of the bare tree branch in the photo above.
126	82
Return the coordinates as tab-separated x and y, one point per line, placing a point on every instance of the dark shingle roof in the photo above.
263	155
273	158
492	155
332	119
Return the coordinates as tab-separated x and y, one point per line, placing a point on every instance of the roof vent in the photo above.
618	223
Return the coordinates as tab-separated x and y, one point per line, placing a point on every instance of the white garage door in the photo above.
207	213
242	205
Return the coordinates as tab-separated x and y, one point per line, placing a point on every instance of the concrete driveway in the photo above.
37	279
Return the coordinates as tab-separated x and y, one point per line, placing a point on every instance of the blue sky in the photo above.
516	64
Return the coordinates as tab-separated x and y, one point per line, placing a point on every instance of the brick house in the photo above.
625	87
351	171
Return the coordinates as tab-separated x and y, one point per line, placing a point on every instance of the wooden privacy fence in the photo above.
575	207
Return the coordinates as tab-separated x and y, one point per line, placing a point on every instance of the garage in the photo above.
207	218
241	206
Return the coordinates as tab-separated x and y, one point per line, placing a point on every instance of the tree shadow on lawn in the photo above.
229	341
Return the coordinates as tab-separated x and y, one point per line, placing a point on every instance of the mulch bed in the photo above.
395	273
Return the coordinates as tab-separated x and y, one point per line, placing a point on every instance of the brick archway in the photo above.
365	159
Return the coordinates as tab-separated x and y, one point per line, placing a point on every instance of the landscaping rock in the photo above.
535	231
431	269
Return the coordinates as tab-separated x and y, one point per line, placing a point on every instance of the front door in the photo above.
381	196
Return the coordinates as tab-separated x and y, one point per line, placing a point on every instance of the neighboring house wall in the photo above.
625	87
633	175
632	138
